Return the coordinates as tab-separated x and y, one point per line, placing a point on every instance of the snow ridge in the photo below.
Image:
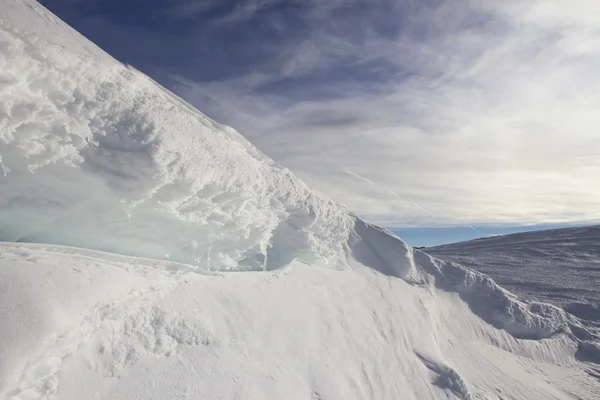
96	155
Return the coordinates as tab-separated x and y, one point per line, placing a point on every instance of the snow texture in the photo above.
560	266
79	324
97	156
94	154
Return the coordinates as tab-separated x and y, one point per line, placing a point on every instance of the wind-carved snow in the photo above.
560	267
95	155
117	327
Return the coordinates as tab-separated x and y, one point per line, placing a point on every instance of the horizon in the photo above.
424	237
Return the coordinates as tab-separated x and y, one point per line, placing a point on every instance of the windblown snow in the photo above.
558	266
124	212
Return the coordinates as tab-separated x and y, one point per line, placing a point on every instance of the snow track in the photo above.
129	313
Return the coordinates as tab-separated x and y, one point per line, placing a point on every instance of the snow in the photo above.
561	267
152	253
126	328
97	155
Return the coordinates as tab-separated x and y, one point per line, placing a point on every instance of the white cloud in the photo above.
494	121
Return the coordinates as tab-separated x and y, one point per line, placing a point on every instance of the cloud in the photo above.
409	112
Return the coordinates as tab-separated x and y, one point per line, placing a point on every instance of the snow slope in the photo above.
559	266
86	325
97	156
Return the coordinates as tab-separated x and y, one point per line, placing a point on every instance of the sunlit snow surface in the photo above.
86	325
95	155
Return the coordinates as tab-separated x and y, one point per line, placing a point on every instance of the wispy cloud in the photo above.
409	112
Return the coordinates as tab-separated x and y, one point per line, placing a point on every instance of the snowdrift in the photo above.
95	155
79	324
558	266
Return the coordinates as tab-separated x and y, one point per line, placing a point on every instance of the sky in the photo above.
434	236
412	113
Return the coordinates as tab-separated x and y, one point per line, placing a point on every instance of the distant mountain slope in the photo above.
559	266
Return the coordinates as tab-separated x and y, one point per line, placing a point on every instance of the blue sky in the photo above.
427	237
411	113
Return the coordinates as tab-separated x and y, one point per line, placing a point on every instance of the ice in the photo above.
124	208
